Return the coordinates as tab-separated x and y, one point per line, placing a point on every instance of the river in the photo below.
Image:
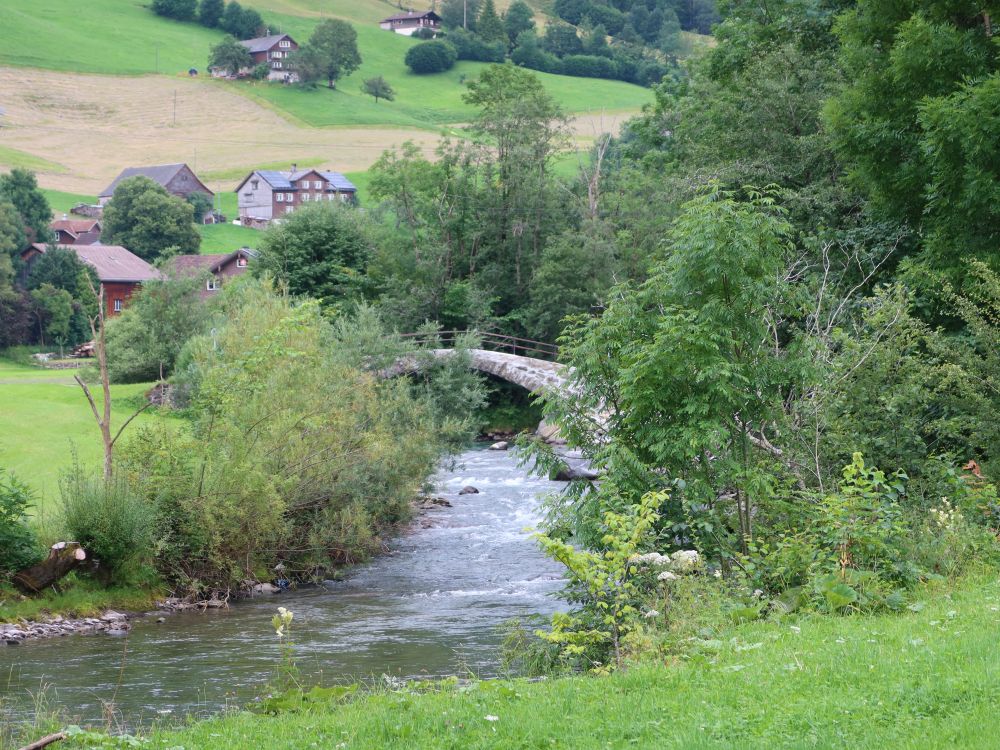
431	607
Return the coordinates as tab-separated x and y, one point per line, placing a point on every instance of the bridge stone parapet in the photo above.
535	375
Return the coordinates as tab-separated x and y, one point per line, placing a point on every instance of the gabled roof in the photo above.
112	262
286	180
161	174
192	265
264	43
412	16
75	226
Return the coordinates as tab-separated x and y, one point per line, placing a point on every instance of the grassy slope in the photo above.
916	680
44	417
123	37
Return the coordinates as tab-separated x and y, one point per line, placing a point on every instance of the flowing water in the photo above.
429	608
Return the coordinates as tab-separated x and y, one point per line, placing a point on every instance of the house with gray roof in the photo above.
178	179
265	195
408	23
272	50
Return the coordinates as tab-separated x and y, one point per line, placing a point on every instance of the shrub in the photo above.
18	546
114	525
469	46
589	66
431	57
423	33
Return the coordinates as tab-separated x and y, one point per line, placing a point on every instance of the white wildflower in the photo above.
666	575
491	717
654	559
651	614
717	574
685	560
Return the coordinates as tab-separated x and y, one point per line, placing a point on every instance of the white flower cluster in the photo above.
281	621
946	515
680	562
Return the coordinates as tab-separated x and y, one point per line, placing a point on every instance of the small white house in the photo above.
407	23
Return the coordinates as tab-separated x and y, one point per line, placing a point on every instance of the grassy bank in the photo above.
926	678
44	418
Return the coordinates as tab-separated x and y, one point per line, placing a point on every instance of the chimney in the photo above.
65	217
267	31
294	168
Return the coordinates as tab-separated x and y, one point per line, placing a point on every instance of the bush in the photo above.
589	66
180	10
114	525
468	46
431	57
18	546
423	33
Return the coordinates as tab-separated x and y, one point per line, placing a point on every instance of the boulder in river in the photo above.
469	490
500	446
264	588
569	473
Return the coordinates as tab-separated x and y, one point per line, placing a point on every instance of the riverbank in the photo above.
928	677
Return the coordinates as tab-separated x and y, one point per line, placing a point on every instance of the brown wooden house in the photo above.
177	179
408	23
76	231
119	271
272	50
215	268
266	195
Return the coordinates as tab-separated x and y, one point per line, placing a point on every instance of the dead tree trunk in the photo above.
63	557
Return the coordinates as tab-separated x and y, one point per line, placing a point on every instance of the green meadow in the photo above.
46	419
928	677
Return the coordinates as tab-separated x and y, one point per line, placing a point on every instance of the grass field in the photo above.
44	418
920	679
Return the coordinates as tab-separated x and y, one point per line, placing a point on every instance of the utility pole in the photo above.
175	106
157	48
465	14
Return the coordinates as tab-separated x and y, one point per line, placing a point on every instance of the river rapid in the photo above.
429	608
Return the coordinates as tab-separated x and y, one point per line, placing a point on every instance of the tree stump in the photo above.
63	557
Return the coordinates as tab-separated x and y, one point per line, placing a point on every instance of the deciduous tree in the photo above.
150	222
379	88
21	188
229	55
332	51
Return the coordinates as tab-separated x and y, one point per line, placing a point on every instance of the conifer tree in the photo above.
489	27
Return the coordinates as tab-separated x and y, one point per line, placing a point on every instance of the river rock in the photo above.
549	433
432	503
569	473
500	446
264	588
469	490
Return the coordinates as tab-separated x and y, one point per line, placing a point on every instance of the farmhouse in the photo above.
407	23
76	231
177	179
272	49
217	268
264	195
119	271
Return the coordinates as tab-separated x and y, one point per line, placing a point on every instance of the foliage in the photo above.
229	55
150	222
518	19
210	12
20	188
201	204
431	57
320	251
489	27
111	520
62	269
330	54
378	88
12	239
469	46
240	22
607	584
460	13
56	307
18	546
15	308
146	338
179	10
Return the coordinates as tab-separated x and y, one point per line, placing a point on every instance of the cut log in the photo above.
63	557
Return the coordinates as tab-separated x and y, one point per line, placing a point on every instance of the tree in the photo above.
242	23
320	251
146	338
210	12
55	311
201	204
15	308
379	88
150	222
489	27
12	239
460	14
561	39
430	57
61	268
179	10
229	55
21	188
333	48
518	19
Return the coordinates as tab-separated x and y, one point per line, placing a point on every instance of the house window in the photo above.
289	197
212	284
284	43
318	184
330	196
254	184
118	305
280	197
276	53
289	209
241	262
276	64
305	197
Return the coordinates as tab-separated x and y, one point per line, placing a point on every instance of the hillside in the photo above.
87	93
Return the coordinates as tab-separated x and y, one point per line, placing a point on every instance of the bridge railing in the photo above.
497	342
